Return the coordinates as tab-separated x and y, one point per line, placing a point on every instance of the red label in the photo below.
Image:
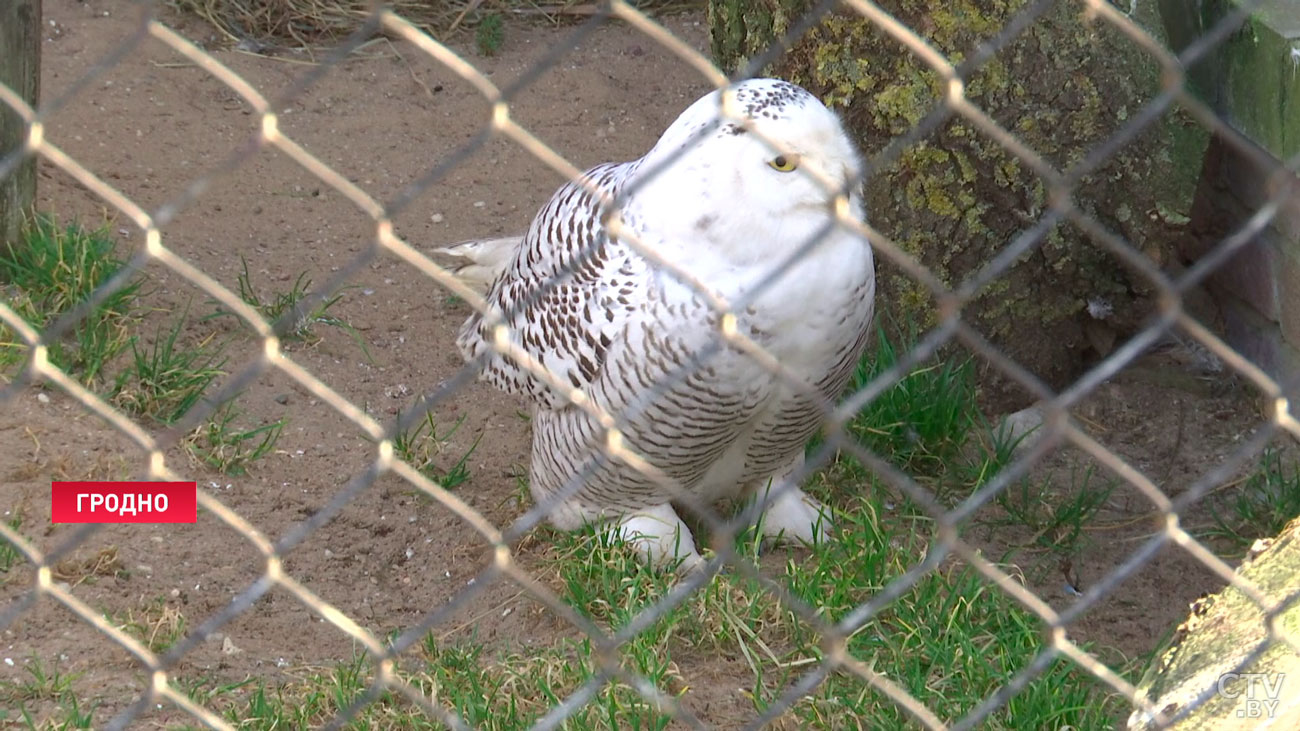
124	502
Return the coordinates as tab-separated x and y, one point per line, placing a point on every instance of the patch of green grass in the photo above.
228	448
40	683
490	692
490	34
511	690
951	641
1262	505
1056	518
924	424
422	446
993	451
55	268
921	423
42	699
165	379
9	555
51	271
280	304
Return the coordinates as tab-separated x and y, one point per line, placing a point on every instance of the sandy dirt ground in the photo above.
154	123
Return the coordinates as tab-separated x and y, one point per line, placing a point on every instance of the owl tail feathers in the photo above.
479	261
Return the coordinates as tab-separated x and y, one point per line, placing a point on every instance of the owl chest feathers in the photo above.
803	308
812	319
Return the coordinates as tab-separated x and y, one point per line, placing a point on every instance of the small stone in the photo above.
436	218
282	399
228	647
43	398
1023	428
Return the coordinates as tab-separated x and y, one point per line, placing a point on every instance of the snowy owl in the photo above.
727	199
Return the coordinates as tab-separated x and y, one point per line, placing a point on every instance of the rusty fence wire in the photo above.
1060	429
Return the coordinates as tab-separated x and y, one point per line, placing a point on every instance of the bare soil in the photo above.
153	123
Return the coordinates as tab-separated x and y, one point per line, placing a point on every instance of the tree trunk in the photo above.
1221	632
20	70
957	198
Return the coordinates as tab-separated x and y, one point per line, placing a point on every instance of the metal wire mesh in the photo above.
1060	427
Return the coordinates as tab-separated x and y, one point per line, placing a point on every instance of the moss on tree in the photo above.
957	197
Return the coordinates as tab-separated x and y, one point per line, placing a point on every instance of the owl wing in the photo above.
567	295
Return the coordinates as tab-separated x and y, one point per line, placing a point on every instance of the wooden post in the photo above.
20	70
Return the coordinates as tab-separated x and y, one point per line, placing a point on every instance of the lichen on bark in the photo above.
956	198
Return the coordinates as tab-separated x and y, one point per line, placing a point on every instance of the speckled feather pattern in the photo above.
569	325
605	320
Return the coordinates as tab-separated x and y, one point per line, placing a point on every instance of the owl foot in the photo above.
796	517
660	538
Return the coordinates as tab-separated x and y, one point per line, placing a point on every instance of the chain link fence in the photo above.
1060	428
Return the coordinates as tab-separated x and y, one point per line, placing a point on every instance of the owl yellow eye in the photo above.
784	163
